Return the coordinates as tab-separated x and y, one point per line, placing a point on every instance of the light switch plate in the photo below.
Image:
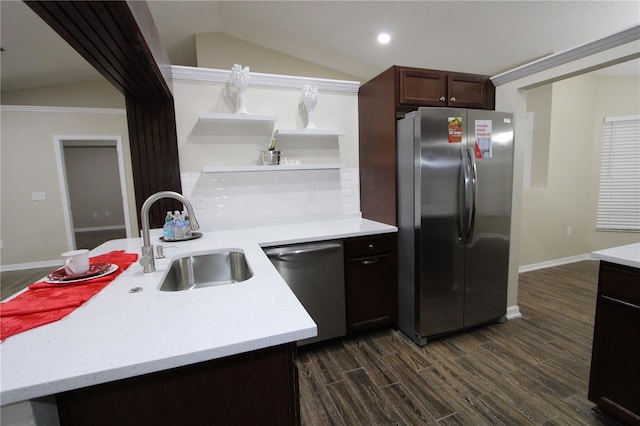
38	196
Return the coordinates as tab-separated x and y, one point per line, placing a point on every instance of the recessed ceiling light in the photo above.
384	38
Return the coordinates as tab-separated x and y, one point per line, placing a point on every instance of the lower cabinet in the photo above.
614	383
254	388
370	281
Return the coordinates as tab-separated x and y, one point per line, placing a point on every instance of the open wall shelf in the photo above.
234	124
228	169
228	124
308	132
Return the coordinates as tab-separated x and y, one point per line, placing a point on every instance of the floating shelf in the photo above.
308	132
227	124
227	169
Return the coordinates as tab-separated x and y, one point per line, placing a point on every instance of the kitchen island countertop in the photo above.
119	334
628	255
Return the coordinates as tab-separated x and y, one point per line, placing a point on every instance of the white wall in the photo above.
539	107
34	231
548	210
569	198
95	94
335	110
257	198
511	96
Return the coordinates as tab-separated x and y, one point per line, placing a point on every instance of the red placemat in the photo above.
45	302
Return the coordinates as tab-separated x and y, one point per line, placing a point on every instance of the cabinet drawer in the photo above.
370	245
620	282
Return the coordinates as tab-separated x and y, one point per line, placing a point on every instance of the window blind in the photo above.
619	194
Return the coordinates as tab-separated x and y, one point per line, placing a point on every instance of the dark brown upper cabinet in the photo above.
420	87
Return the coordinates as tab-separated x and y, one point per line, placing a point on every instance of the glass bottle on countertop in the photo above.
187	224
167	229
179	226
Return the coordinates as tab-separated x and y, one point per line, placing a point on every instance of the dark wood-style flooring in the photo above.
528	371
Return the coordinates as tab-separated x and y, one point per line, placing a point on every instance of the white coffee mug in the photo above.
76	261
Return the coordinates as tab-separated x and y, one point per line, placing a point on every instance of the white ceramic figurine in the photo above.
240	82
310	99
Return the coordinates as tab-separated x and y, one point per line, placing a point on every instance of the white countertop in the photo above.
118	334
628	255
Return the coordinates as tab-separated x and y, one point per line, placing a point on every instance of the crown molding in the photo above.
618	39
74	110
260	79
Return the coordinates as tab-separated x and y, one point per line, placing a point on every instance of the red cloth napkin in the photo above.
45	302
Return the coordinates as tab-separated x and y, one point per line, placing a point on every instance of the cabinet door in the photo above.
466	91
422	88
216	392
370	292
615	370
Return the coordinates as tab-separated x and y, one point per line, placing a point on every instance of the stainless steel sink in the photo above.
206	270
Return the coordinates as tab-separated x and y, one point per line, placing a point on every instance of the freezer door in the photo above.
490	139
440	247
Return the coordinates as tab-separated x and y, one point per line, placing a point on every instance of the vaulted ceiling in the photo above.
485	37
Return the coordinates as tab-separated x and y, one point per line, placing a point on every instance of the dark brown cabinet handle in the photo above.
370	261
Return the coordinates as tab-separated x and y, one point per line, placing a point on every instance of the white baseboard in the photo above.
513	312
554	262
31	265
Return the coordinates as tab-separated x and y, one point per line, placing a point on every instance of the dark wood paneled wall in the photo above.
120	40
154	153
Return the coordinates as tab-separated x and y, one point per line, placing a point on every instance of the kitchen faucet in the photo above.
147	260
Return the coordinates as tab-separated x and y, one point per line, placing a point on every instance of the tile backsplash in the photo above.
231	200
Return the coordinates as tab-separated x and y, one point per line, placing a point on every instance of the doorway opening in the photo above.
93	188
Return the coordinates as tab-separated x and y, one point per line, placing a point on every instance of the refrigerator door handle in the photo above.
462	194
474	193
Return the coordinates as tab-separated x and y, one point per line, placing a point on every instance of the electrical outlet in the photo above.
107	213
38	196
569	231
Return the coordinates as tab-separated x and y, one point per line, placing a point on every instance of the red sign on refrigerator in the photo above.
483	138
455	129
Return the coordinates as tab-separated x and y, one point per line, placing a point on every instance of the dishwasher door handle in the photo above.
300	252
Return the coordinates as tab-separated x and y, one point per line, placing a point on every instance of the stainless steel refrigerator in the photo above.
455	170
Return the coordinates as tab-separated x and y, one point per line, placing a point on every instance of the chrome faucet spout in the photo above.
147	260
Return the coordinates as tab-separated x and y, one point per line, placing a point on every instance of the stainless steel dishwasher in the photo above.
315	274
